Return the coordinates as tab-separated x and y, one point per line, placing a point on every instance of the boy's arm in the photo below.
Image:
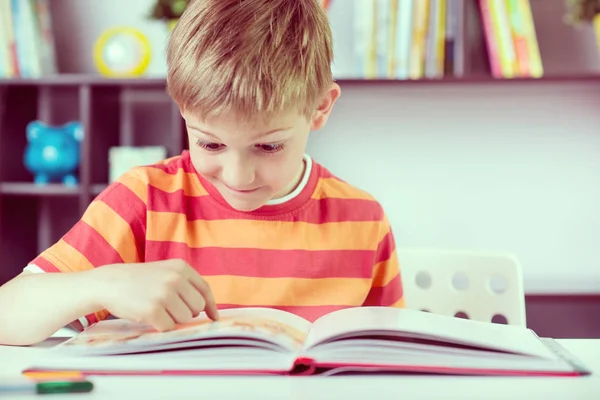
386	286
37	305
41	300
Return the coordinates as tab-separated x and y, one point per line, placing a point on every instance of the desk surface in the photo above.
14	359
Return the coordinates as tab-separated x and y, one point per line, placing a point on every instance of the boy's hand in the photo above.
161	293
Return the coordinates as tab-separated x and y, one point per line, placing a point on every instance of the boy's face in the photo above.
252	162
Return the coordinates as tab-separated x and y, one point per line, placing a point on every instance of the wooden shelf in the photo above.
474	79
96	189
32	189
159	82
83	79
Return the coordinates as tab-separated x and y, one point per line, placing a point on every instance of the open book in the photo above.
268	341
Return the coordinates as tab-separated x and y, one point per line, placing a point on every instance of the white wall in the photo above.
501	167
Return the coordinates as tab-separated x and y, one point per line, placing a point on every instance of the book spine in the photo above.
536	69
4	50
382	18
47	46
440	49
419	37
404	38
365	38
392	37
431	40
502	31
11	38
451	32
20	45
490	38
33	36
519	39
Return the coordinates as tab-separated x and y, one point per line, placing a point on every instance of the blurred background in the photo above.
474	123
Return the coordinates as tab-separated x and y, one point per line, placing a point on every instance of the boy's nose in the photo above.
238	175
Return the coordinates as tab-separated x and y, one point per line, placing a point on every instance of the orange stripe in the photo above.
169	160
170	183
385	271
250	291
399	304
259	234
136	184
336	189
53	375
101	315
114	229
70	259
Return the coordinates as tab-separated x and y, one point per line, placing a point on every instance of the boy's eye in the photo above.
270	148
208	145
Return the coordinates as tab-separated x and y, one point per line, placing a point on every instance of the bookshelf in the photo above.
138	112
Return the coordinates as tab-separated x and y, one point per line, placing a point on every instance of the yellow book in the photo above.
392	26
372	44
419	39
502	32
536	69
441	38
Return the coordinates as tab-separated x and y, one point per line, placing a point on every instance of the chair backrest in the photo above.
479	286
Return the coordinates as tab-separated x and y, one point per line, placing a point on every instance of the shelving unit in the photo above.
107	110
110	110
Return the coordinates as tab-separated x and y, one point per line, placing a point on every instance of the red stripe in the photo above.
176	165
132	209
311	313
92	245
385	248
318	212
211	261
387	295
44	264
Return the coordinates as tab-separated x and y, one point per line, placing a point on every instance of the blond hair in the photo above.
250	57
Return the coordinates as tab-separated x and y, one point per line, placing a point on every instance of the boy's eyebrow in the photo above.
255	137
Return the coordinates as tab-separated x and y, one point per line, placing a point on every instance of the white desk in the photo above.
13	360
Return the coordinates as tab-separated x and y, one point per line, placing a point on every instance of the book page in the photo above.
365	321
283	329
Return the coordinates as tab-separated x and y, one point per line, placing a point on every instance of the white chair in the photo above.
479	286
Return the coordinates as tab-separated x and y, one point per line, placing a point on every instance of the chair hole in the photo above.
499	319
461	314
498	284
423	280
460	281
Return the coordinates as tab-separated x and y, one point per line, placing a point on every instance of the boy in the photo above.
244	218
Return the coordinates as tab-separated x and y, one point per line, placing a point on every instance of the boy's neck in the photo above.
282	197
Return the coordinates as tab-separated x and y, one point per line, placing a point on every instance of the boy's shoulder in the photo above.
339	193
170	171
333	186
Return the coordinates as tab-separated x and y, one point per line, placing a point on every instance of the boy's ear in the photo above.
323	111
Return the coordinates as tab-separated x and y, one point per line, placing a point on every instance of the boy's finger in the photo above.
192	298
178	310
162	321
204	289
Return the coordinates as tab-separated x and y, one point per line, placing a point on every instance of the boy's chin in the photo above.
245	206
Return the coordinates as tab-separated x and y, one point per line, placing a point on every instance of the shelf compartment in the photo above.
32	189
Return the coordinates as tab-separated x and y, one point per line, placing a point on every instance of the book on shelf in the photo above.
416	39
407	39
258	341
511	40
27	45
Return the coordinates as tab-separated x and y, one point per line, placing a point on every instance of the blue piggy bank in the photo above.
52	153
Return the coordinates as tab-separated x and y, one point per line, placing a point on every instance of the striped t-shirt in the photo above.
328	246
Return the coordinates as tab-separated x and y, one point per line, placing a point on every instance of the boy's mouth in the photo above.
241	191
